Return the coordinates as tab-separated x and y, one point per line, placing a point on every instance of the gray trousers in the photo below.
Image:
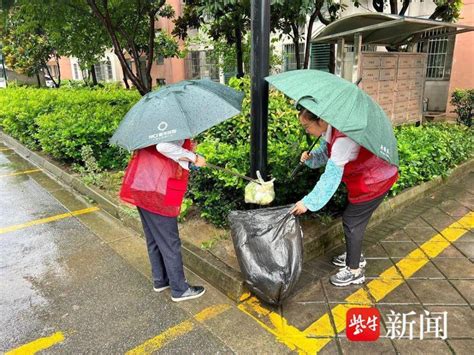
354	220
164	251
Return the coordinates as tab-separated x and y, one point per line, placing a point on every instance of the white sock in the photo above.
355	271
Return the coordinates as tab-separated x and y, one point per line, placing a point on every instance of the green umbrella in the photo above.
177	111
344	106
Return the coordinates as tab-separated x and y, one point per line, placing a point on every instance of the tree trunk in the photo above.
309	34
125	79
404	8
296	42
38	80
50	75
151	48
440	10
332	58
106	21
239	52
94	75
59	72
394	7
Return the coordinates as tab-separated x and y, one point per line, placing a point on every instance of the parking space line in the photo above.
154	344
38	345
21	172
48	219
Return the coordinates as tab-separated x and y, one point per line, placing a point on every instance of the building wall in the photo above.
462	73
173	69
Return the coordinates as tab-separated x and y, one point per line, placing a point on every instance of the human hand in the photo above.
299	208
200	161
305	156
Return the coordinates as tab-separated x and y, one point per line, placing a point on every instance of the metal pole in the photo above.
339	70
357	57
3	69
260	62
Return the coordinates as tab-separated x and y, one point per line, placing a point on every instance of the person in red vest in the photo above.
156	181
368	180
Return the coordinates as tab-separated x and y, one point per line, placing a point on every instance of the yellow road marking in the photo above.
386	283
321	332
289	335
4	149
38	345
21	172
154	344
48	219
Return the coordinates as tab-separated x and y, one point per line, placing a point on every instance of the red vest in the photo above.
155	182
367	177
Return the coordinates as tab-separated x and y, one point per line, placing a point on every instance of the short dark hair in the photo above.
309	115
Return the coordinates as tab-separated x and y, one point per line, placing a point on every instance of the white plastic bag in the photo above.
261	192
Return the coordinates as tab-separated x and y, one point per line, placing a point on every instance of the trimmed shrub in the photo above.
60	122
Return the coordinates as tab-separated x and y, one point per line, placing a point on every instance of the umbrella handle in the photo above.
300	164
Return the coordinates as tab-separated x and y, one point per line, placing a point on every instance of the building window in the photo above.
289	56
320	56
103	71
160	82
438	62
110	75
199	65
75	73
160	60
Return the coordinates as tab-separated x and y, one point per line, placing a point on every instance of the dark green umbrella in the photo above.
177	111
344	106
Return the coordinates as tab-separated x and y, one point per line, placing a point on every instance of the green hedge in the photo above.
425	152
60	122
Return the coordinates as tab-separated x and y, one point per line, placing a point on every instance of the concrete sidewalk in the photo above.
418	260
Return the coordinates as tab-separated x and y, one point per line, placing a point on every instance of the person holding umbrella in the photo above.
158	129
358	148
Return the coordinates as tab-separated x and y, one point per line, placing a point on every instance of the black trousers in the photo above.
355	218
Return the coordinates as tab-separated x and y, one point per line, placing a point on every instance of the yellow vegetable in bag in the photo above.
261	192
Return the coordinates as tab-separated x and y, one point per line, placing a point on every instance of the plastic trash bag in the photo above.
269	247
260	193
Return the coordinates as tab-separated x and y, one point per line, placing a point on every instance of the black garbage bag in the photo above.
268	243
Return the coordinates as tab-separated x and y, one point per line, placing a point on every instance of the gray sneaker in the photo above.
340	260
191	293
345	277
160	288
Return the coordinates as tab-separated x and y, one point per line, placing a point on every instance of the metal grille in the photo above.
320	56
437	52
289	56
199	65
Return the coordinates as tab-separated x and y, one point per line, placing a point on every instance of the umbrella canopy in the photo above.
177	111
344	106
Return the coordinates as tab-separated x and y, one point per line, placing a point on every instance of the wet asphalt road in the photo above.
61	277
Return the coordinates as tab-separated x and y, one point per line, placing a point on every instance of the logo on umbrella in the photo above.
162	126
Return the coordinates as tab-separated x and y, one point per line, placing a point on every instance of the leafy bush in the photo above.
60	122
429	151
463	100
425	152
227	145
74	125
